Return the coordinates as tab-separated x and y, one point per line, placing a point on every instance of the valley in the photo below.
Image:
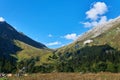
59	40
102	50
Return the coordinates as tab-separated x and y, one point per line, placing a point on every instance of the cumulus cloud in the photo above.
96	15
53	43
102	20
50	35
2	19
99	8
90	24
72	36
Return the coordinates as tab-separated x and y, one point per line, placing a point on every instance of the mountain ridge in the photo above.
17	48
9	33
94	51
99	35
97	50
97	30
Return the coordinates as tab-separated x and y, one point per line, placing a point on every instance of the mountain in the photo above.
107	33
8	32
96	50
100	29
16	48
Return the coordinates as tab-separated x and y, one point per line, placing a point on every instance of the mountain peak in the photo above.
2	19
9	33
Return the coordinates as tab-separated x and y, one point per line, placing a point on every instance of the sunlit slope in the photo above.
108	33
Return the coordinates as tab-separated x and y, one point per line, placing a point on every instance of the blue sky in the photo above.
57	22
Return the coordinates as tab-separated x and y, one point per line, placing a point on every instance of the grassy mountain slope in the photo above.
28	52
17	45
101	35
9	33
96	50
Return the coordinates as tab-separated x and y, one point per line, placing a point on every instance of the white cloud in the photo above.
53	43
50	35
72	36
96	15
102	20
99	8
2	19
90	24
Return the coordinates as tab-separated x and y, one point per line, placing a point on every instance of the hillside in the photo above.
107	33
16	47
9	33
96	50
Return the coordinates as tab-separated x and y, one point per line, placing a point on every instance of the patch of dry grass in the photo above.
70	76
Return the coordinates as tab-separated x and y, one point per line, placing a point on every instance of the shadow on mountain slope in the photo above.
94	58
7	61
8	32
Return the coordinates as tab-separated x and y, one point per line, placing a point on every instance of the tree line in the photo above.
87	59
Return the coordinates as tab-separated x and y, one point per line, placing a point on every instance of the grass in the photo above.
28	52
4	79
70	76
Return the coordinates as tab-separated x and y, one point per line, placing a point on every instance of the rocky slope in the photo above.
100	29
107	33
